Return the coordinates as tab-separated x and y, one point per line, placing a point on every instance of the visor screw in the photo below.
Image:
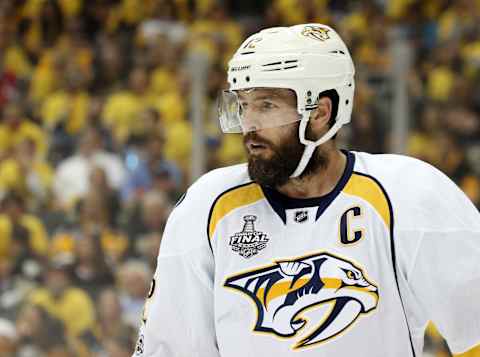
247	78
234	80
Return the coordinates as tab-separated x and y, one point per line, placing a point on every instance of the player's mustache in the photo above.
254	136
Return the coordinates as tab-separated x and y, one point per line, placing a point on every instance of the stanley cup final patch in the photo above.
248	242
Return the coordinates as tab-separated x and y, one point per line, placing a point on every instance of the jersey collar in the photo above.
280	203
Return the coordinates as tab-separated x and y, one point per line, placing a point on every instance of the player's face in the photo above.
273	152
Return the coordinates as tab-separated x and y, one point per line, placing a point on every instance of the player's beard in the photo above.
277	169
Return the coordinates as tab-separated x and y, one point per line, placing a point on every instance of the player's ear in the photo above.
320	117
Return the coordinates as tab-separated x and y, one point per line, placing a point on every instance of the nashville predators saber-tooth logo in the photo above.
316	32
288	288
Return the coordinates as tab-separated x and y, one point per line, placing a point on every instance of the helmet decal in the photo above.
316	32
251	44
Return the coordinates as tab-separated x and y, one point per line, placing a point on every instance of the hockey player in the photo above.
309	250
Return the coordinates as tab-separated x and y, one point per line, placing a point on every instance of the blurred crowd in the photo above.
96	136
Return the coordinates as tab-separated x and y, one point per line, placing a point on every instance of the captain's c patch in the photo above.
285	290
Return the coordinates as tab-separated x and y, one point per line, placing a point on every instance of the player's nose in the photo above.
250	121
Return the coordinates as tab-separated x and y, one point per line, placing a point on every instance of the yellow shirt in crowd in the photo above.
13	178
71	108
10	137
38	236
74	308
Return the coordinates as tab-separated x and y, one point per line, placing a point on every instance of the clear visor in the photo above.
257	114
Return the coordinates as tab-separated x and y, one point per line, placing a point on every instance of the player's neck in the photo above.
320	182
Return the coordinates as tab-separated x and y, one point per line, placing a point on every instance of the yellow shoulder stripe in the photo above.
230	200
474	352
368	189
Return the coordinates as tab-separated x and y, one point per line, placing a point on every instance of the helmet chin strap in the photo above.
310	146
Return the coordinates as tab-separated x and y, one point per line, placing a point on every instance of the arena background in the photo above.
108	113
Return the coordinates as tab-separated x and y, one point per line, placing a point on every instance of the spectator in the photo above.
111	324
366	134
72	176
68	107
133	281
15	128
120	346
62	300
22	236
28	173
10	70
94	219
123	109
99	183
14	288
8	338
91	271
110	63
145	226
421	142
39	333
152	166
162	21
42	25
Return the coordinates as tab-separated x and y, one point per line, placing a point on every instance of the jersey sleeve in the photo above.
178	319
441	263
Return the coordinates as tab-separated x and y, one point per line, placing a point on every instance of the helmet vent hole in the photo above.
247	78
347	102
271	64
234	80
280	65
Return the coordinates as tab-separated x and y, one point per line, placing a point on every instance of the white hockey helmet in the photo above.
308	59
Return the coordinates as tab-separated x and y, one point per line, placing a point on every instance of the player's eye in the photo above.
241	108
267	105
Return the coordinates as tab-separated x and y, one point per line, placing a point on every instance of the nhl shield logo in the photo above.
248	242
301	216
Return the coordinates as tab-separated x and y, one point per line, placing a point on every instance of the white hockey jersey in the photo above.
244	271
